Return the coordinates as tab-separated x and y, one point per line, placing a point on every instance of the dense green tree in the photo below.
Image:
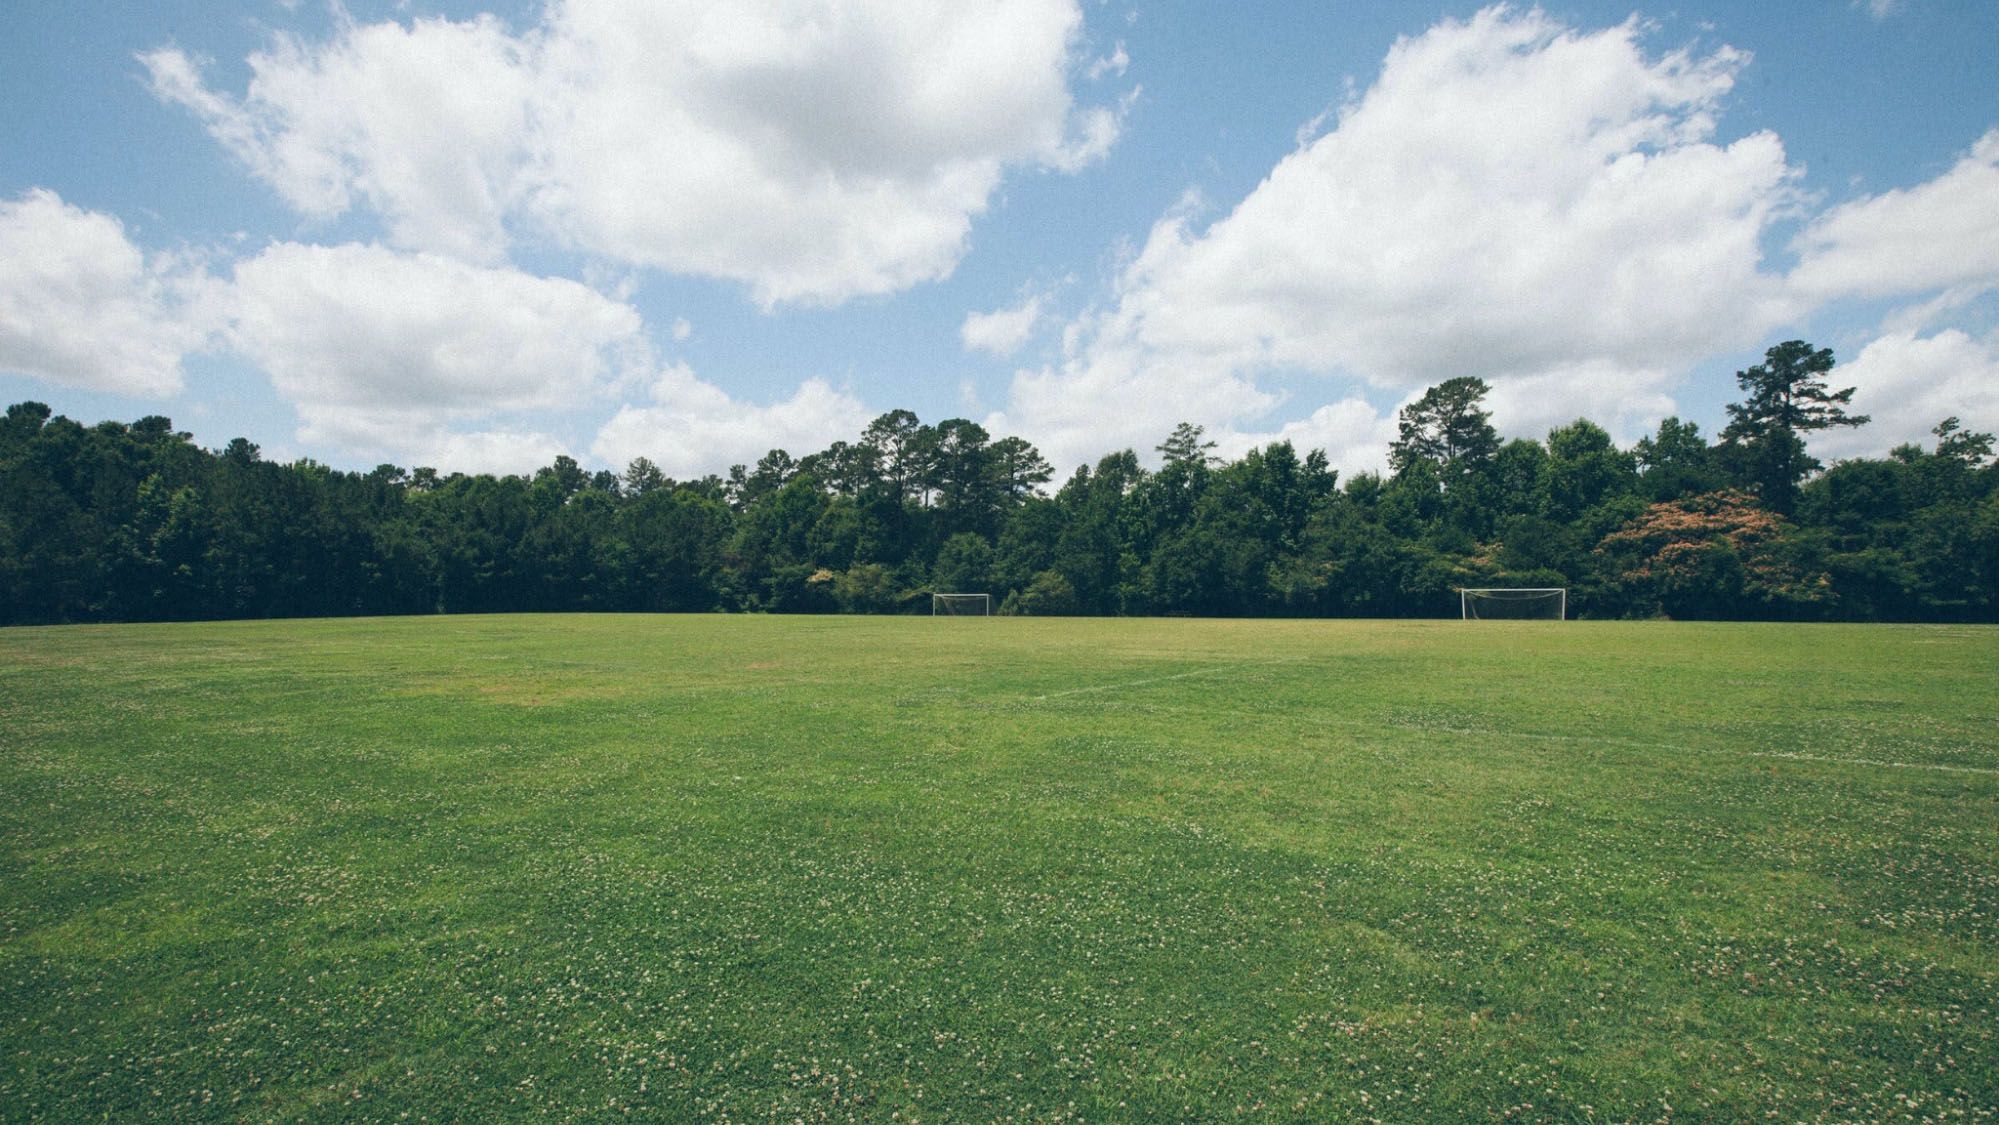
960	475
1900	533
1093	552
1959	446
1188	446
1163	504
847	469
675	537
1027	543
1018	470
771	550
898	448
1585	469
964	565
1677	461
1448	429
748	487
1787	399
1517	482
1983	536
643	477
1048	594
121	522
559	481
867	588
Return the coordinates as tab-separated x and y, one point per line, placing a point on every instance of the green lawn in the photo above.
753	868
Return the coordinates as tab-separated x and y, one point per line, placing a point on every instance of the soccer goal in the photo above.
1515	604
961	605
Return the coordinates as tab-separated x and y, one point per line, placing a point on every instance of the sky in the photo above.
477	236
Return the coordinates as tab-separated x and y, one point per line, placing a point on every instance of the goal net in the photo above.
961	605
1515	604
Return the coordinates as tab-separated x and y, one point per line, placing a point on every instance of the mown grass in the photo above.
755	868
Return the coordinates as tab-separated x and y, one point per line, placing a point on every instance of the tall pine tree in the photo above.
1787	399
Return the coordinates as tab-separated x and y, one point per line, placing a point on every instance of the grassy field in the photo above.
746	868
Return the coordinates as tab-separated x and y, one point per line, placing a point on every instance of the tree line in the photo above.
134	522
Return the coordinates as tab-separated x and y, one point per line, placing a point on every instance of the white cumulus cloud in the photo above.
82	306
425	124
816	150
1943	233
1001	332
485	451
1907	383
692	427
1113	63
381	350
1513	199
1354	435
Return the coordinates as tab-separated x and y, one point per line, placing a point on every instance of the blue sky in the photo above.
477	236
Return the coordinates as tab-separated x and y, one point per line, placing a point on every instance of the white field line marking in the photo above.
1875	762
1788	755
1158	679
1601	740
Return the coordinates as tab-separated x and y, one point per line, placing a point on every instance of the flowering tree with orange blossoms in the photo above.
1715	555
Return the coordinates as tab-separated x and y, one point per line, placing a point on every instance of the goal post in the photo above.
961	605
1514	603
